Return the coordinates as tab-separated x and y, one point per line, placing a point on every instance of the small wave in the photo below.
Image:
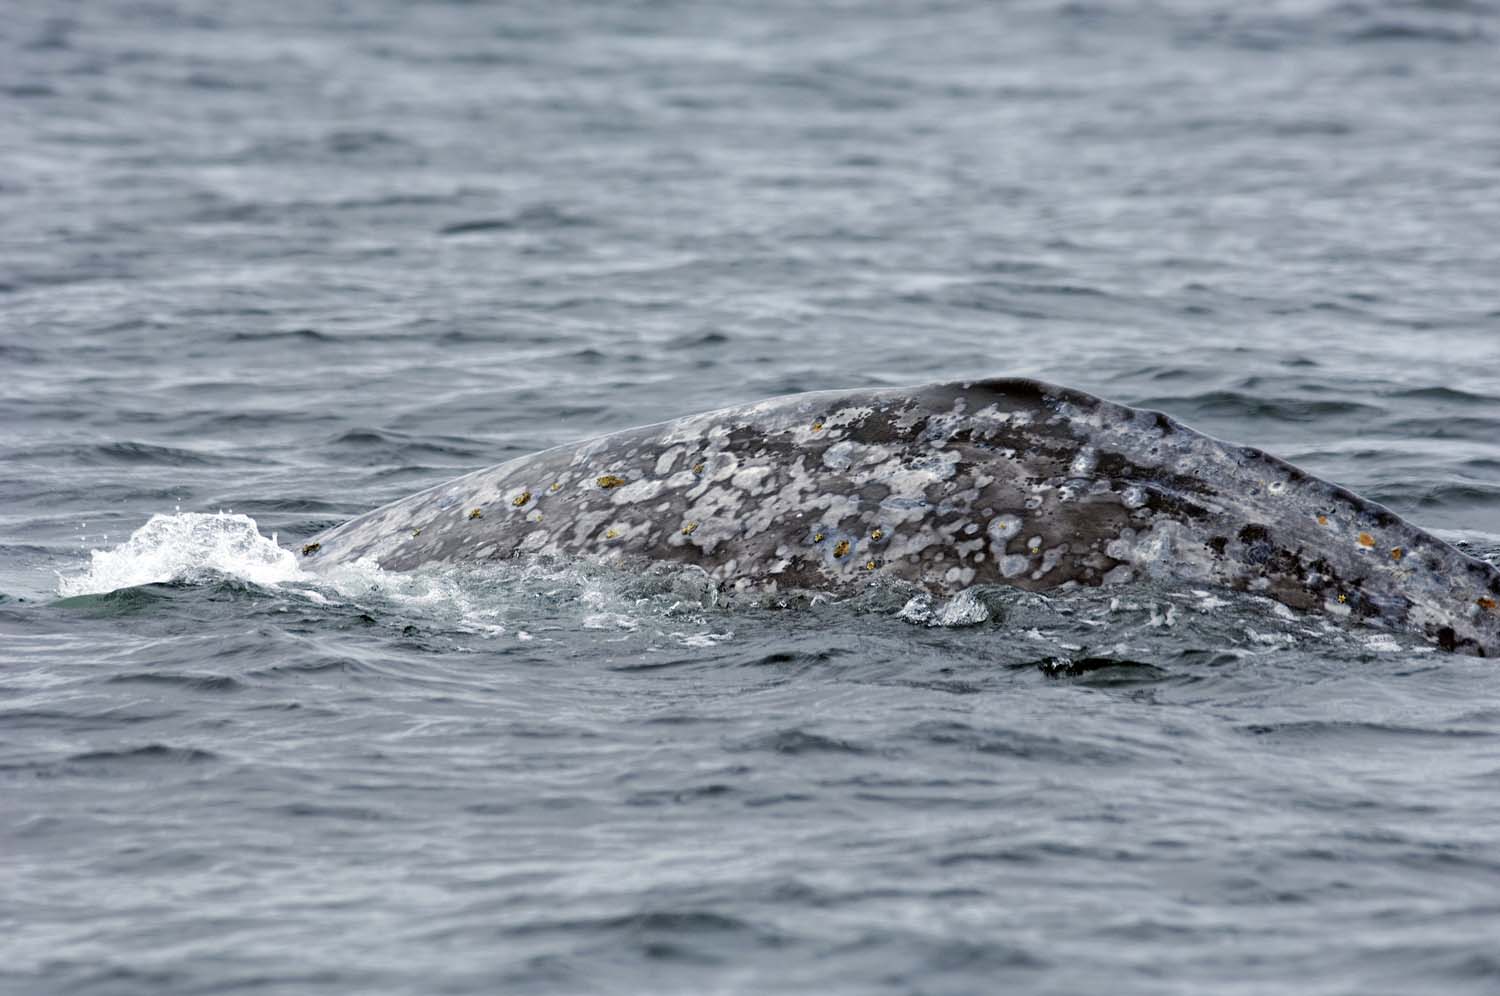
1462	427
539	217
1018	744
1451	494
795	741
1359	731
1410	31
124	452
193	682
1259	406
149	754
299	335
388	446
1444	393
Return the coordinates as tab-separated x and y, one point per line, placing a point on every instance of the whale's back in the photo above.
947	486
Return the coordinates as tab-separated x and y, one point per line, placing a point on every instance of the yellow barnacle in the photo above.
521	499
415	533
688	529
818	537
817	427
311	548
611	534
556	486
697	468
870	565
1365	539
876	534
475	513
841	548
610	481
1343	598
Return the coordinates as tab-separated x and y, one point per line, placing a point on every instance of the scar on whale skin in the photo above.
1003	481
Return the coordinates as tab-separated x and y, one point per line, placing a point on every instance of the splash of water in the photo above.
489	600
186	546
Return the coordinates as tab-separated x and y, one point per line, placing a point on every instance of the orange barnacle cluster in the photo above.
1397	553
1366	540
840	548
1486	602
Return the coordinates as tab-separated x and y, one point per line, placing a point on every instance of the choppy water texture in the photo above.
296	260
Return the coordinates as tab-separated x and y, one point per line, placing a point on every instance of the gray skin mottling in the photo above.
948	485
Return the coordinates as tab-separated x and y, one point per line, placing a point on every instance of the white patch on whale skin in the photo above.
588	450
1003	527
959	576
750	479
718	516
847	416
1013	565
1121	547
839	456
667	461
907	481
1085	463
1050	560
637	491
970	547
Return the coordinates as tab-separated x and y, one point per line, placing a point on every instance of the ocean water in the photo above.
266	266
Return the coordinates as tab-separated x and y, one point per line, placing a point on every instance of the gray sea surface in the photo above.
266	266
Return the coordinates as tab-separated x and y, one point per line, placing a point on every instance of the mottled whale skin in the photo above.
1008	481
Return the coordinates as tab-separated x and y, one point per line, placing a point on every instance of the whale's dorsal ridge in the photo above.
1001	480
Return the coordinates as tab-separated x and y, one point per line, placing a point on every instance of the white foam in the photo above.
186	546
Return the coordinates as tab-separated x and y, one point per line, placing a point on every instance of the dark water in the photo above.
297	260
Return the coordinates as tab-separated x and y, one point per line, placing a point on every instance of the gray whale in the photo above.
1008	481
